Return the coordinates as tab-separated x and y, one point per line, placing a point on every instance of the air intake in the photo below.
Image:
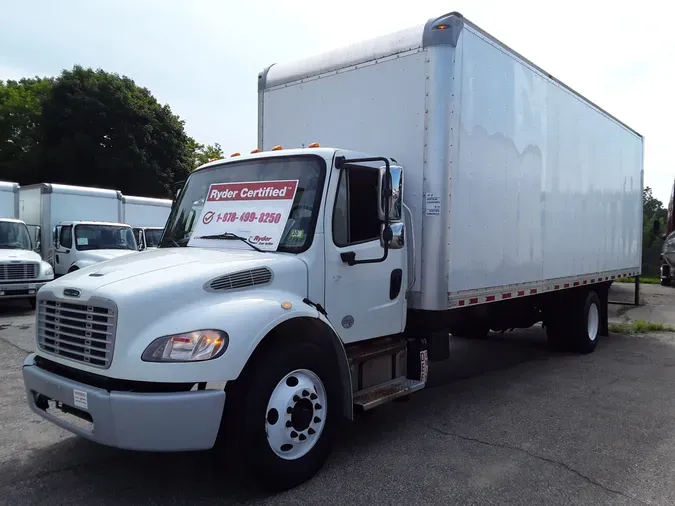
239	280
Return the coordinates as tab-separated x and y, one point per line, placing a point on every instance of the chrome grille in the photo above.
243	279
18	271
84	332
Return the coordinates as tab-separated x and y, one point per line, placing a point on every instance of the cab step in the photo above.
361	353
380	394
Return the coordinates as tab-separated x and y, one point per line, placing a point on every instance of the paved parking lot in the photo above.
504	422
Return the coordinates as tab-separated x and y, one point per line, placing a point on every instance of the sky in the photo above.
202	57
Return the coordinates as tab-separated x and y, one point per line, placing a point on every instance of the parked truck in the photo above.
147	216
667	258
79	226
455	187
22	271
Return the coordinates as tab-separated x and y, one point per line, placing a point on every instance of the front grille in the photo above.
18	271
243	279
84	332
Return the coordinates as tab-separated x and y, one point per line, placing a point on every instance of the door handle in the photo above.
395	281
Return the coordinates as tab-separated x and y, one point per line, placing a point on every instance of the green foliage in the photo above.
652	210
20	117
92	128
646	280
202	154
639	327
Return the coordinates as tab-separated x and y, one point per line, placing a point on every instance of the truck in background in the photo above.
22	271
79	226
147	216
300	284
667	270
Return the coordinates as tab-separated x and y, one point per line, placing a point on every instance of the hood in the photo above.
13	255
101	255
167	268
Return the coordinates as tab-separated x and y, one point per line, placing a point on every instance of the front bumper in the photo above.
20	290
173	421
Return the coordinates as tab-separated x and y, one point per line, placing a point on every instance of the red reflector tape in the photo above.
521	293
566	285
460	303
489	298
533	290
473	301
585	281
556	287
576	283
506	296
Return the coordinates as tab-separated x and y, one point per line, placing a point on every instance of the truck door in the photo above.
64	247
364	300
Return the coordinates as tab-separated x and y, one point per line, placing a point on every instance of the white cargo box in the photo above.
145	211
9	199
516	182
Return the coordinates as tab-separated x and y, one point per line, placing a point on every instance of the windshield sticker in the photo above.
83	241
256	211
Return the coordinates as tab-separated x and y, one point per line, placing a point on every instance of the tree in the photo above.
101	129
20	119
203	154
652	210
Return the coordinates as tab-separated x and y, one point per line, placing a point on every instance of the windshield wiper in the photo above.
228	236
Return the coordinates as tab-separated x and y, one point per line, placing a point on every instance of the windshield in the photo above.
152	237
256	212
14	236
89	237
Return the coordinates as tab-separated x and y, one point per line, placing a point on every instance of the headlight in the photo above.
49	271
188	347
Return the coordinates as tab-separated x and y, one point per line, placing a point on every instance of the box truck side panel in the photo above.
544	185
378	108
72	206
144	215
30	205
9	201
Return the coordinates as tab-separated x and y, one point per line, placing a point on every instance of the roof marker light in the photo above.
277	148
256	150
236	154
314	145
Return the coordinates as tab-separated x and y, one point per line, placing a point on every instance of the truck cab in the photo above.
79	244
22	271
148	238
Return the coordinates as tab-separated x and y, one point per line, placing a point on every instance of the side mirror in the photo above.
395	182
656	227
37	246
395	238
178	193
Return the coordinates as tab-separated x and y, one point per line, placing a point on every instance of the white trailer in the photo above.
147	216
79	226
9	200
314	283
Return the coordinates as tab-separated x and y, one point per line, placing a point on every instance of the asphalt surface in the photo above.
504	421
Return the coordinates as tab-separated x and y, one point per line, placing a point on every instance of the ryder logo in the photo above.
208	217
260	239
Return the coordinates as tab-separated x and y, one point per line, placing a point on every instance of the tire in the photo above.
665	282
258	425
576	327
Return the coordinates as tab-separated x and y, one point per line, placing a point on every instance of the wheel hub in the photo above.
296	414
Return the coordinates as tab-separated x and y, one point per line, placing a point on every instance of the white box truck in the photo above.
464	190
22	271
147	216
79	226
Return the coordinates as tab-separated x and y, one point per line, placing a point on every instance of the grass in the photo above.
639	327
643	279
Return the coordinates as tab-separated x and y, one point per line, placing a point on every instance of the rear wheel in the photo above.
282	413
665	282
576	325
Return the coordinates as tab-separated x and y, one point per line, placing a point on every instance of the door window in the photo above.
355	218
66	238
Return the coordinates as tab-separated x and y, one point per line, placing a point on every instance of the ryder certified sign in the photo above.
256	210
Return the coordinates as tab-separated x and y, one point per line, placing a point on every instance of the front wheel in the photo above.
283	411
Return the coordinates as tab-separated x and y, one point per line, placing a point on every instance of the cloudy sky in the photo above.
203	56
